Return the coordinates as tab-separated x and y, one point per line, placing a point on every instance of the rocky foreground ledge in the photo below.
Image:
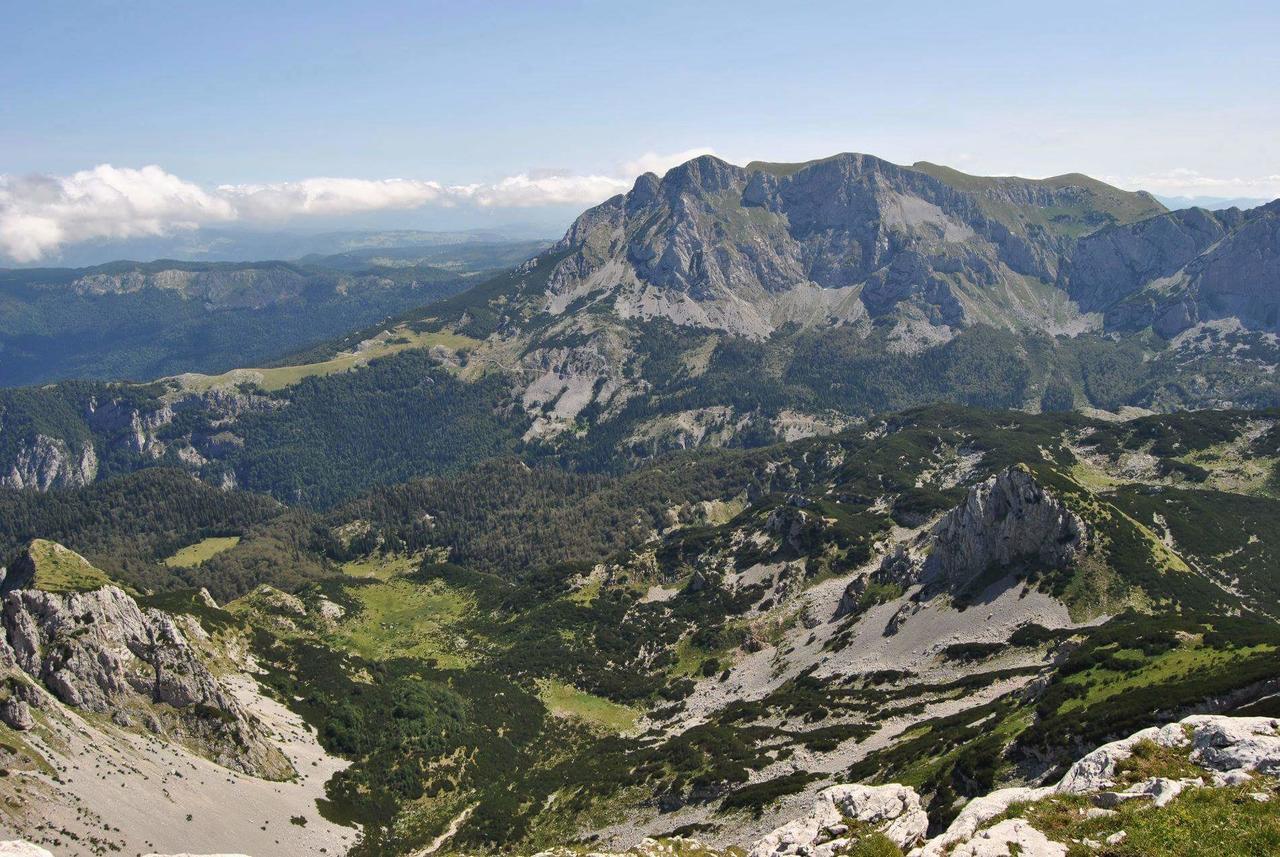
1215	771
1133	797
1134	779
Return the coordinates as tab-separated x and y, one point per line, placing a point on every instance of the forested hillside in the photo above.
950	598
139	321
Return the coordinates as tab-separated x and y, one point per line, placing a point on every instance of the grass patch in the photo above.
402	619
278	377
60	569
1149	760
200	552
1227	821
565	700
382	566
1129	669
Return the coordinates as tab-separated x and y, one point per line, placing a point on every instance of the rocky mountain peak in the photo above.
1007	519
746	250
703	174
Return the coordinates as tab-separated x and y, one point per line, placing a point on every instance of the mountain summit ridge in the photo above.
749	249
728	305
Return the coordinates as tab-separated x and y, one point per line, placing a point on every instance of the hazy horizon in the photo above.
434	116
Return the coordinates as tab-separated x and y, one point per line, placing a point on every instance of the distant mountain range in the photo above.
716	305
132	320
1213	203
246	245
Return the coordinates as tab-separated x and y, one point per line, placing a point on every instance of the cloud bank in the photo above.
40	214
1182	181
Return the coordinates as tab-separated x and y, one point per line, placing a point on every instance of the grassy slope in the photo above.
59	569
203	550
277	378
565	700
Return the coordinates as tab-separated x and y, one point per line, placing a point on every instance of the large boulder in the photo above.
1233	745
1096	770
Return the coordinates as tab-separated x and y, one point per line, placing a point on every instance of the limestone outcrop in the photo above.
1230	750
1008	521
99	652
842	813
51	462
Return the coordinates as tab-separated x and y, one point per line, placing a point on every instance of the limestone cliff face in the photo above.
50	462
1006	521
1183	268
1114	263
99	652
131	429
748	249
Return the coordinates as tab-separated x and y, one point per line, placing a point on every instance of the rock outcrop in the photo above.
841	814
99	652
1182	269
1230	750
51	462
1008	521
747	249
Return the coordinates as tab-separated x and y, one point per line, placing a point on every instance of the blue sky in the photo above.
1178	98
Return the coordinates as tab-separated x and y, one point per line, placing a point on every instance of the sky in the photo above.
126	119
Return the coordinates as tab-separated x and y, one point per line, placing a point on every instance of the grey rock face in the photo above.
16	714
135	429
1006	521
100	652
94	648
1177	270
717	235
115	426
1113	263
49	462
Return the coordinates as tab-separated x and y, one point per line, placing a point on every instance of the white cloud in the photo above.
39	214
652	162
1182	181
328	196
524	191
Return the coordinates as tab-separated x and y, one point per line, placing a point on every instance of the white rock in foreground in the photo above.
893	810
1229	748
1000	839
21	848
979	811
1232	745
